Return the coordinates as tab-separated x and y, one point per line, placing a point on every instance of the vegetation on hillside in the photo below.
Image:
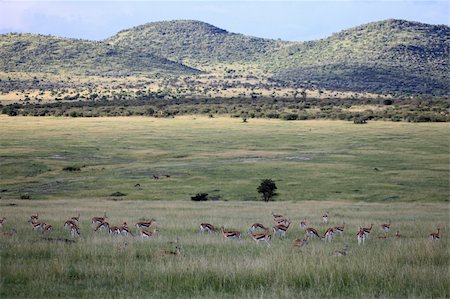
48	54
388	56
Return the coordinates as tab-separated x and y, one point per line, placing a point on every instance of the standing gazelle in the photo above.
386	227
361	235
2	221
230	234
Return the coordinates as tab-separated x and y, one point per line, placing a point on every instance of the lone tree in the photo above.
267	189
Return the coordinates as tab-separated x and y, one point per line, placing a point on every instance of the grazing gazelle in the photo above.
47	228
145	224
261	237
325	218
207	227
74	231
299	243
2	221
361	235
102	226
339	229
256	227
435	236
282	221
69	223
303	224
280	230
329	234
145	233
386	227
99	220
230	234
312	232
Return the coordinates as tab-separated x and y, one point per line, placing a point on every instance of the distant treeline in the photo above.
418	110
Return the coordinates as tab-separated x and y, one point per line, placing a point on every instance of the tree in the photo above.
267	189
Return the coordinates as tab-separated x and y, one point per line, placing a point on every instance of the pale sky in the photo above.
289	20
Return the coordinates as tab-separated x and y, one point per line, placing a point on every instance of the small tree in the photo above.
267	189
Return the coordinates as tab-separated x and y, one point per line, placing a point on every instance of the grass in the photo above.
96	266
380	161
318	166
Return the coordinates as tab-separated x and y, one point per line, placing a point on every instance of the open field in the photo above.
360	174
224	157
97	266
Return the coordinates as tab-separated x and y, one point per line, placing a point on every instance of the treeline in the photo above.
419	110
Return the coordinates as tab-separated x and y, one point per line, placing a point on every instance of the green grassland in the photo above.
360	174
97	266
224	157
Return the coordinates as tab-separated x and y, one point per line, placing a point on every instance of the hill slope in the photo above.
392	55
39	53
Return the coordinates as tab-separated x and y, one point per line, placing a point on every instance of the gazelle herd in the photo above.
257	231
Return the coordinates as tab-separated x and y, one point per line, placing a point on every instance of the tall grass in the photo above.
127	267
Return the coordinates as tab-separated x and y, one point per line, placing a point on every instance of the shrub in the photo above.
200	197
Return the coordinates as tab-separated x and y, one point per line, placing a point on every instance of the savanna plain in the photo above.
136	168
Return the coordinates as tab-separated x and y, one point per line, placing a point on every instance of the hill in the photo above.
48	54
386	56
194	41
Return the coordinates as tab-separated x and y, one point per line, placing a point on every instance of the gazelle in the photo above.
77	218
231	234
274	215
282	221
207	227
329	234
339	229
303	224
325	218
2	221
102	226
99	220
386	227
124	230
299	243
34	218
435	236
311	232
361	235
145	233
145	224
69	223
341	252
74	231
47	228
280	230
397	235
261	237
114	230
367	230
38	225
257	226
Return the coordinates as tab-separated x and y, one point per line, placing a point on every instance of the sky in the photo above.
298	20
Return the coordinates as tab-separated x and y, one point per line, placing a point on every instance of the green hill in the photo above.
194	41
39	53
386	56
392	56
